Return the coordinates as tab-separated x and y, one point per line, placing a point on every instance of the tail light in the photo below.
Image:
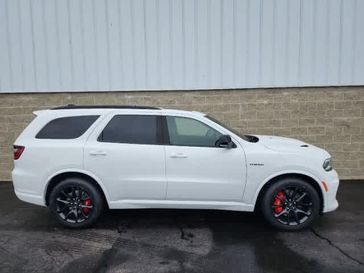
18	150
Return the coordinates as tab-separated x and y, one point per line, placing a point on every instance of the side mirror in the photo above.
225	142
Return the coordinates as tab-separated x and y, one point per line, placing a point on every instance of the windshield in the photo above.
227	127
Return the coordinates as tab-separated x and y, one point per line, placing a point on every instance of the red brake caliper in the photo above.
278	202
86	202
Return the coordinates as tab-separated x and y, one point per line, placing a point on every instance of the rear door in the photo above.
125	152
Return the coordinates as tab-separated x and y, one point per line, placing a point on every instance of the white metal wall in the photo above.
91	45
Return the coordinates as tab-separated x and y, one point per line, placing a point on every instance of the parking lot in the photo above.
180	240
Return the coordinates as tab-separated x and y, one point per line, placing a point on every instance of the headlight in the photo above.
327	165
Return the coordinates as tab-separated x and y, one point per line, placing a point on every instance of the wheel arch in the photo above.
309	179
58	177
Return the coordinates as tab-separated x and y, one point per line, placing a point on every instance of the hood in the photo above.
291	145
277	143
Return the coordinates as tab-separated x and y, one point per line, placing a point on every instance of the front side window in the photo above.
135	129
190	132
66	127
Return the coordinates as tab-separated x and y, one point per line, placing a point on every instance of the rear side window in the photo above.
135	129
66	127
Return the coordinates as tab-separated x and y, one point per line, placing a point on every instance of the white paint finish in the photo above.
107	45
128	171
205	173
142	176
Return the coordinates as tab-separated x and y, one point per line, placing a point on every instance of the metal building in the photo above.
95	45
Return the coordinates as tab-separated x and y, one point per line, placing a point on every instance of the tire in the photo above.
290	204
76	203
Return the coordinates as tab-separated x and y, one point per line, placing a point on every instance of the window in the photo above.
190	132
66	127
137	129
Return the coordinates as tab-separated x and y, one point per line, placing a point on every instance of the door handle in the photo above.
178	155
97	153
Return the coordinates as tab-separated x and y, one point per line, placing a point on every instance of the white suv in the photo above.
78	160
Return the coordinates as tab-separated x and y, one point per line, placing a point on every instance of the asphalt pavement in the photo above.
181	240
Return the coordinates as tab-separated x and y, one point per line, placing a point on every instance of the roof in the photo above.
73	106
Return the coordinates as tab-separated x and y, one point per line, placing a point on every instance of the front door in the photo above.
196	169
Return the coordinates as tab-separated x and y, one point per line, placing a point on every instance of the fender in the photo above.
98	181
288	172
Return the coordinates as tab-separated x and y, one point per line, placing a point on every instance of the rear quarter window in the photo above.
66	127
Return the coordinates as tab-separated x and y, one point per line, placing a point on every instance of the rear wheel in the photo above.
290	204
76	203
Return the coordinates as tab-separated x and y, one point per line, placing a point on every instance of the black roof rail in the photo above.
73	106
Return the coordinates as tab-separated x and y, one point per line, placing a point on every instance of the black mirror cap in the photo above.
225	142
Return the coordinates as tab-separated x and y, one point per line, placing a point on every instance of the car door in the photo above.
126	154
196	169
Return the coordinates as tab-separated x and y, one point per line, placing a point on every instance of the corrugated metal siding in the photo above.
92	45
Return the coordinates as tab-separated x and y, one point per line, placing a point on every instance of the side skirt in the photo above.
176	204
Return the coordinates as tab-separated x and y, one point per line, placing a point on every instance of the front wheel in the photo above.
290	204
76	203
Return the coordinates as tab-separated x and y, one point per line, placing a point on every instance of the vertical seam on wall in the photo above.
58	48
274	43
21	45
327	37
11	83
288	23
120	45
70	44
353	62
195	43
300	38
260	42
145	46
82	23
108	44
340	41
234	43
170	40
133	40
208	19
221	42
96	45
159	65
33	45
183	43
247	37
314	43
46	48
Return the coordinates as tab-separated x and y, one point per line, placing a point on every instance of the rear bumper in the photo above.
332	181
30	198
27	187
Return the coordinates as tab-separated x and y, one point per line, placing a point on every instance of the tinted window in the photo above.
137	129
67	127
190	132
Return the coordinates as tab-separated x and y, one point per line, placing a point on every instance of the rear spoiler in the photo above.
39	112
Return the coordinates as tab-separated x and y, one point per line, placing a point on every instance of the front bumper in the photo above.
332	181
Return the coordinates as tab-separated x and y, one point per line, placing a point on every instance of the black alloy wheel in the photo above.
76	203
291	204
